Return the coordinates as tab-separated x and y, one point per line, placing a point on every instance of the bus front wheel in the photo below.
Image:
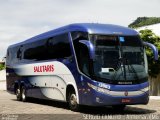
72	100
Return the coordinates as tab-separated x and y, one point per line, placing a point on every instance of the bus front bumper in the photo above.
102	97
101	100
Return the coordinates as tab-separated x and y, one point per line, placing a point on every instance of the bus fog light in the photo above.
97	99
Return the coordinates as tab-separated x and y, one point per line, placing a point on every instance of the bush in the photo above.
2	66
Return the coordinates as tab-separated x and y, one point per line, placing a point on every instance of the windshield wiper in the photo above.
132	68
125	61
117	68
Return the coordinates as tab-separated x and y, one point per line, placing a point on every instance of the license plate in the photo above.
126	100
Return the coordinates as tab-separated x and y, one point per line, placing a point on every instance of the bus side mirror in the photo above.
90	47
154	49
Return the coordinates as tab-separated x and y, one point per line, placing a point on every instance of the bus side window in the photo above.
35	51
49	48
8	57
82	55
58	47
19	53
77	35
81	51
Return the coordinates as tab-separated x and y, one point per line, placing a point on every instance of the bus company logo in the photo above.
126	93
44	68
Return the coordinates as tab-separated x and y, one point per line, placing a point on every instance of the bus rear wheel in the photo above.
24	97
18	94
72	100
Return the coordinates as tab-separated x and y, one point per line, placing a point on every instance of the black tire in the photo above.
18	94
23	93
119	108
72	101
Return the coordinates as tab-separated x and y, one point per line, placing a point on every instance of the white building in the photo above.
3	80
2	76
155	28
3	60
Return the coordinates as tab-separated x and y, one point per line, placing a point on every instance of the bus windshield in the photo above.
118	58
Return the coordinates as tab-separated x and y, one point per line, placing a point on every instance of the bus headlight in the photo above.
98	89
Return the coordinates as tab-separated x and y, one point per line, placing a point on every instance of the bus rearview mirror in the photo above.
154	49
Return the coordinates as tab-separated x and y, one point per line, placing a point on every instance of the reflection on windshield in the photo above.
106	61
134	55
115	61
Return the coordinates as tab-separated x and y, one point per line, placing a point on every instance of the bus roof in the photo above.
91	28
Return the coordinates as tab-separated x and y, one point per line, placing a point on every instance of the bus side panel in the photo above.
49	79
12	80
52	87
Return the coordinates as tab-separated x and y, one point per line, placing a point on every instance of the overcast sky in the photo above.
22	19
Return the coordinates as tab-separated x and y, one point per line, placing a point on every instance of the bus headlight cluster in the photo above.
92	86
119	93
98	89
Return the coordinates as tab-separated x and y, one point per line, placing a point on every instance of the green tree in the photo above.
143	21
154	66
2	66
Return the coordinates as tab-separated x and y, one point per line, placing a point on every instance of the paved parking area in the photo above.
40	110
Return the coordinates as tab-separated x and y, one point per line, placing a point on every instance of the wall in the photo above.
3	80
155	86
155	28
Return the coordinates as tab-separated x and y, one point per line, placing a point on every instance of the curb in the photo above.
155	97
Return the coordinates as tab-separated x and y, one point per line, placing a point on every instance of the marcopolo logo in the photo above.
126	93
44	68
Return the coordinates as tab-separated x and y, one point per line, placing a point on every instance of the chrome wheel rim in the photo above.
23	95
73	100
18	93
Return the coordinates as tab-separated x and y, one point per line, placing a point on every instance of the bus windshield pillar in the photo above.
90	47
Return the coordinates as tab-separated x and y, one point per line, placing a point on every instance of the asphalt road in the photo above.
11	109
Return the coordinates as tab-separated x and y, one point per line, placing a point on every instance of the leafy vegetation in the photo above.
154	66
2	66
143	21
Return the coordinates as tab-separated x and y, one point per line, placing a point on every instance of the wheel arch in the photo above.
69	87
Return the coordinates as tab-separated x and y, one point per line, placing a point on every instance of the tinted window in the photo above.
79	35
58	47
50	48
81	51
35	50
82	59
19	52
104	40
131	41
12	55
